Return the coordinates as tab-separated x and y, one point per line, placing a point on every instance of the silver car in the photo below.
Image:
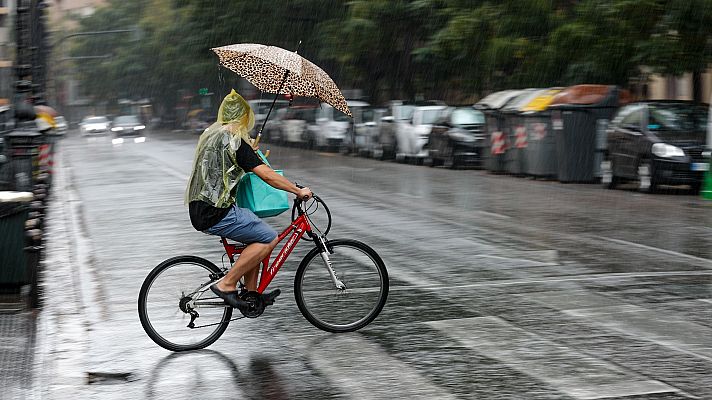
127	125
94	126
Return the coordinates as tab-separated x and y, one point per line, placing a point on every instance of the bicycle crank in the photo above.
256	307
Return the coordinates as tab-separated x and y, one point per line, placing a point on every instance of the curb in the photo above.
62	348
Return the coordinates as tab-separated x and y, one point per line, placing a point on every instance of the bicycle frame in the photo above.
297	228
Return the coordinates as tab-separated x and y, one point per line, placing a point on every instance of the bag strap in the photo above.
263	158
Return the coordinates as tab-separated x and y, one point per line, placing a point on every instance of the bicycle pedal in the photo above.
270	297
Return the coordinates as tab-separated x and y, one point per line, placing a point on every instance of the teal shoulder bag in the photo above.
257	196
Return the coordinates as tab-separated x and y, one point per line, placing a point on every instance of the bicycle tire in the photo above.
143	312
337	247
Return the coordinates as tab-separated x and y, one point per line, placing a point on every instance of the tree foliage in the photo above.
453	49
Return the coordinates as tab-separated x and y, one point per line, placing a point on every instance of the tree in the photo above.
681	41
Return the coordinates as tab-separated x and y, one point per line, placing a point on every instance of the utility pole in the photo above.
31	55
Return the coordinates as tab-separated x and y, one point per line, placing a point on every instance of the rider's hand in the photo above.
304	193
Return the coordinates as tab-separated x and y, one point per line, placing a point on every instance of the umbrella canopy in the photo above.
276	70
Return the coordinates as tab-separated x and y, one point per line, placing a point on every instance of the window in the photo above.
677	118
633	120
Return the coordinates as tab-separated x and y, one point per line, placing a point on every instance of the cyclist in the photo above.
224	153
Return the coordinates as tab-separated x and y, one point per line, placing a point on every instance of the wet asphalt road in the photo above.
501	287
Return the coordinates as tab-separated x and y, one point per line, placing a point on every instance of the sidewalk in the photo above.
43	352
17	345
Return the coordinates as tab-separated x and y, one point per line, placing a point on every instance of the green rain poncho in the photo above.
215	170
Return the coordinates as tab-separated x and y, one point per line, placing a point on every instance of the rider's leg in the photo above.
247	264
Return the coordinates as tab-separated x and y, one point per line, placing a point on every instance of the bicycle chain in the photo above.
218	323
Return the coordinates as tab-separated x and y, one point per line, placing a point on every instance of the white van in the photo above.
332	126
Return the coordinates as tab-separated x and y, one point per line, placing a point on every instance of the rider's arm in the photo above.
278	181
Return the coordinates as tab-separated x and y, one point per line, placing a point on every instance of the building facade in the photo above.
7	49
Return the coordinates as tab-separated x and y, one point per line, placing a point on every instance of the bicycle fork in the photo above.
327	263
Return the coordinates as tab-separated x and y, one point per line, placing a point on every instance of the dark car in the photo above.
657	143
457	139
127	125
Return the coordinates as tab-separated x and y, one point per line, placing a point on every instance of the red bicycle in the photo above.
340	286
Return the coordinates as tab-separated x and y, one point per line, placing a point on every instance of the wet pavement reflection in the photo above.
501	287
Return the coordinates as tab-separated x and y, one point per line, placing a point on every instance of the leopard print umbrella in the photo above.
265	66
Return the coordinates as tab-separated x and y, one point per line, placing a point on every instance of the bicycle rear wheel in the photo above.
174	292
364	276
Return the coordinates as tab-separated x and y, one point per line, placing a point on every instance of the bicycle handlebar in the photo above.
302	187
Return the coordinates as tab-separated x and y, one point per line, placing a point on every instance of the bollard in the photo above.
706	191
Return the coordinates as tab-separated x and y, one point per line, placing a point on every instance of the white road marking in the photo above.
363	370
657	249
491	214
658	326
576	278
574	373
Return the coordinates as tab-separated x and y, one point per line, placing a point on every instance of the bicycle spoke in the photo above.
335	309
171	298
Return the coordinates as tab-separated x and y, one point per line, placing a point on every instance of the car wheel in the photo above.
646	177
608	176
450	162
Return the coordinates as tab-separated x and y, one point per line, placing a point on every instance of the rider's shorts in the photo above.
242	225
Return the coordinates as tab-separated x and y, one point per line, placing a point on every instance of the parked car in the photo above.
127	125
94	125
61	124
261	107
332	126
294	125
358	130
366	130
457	138
413	135
657	143
398	112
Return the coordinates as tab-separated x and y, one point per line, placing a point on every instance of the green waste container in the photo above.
13	259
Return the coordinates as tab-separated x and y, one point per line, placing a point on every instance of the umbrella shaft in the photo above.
284	79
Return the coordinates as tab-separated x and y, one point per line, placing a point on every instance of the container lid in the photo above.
501	100
487	101
15	197
522	99
589	94
541	101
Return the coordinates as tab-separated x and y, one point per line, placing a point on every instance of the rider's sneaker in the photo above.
269	298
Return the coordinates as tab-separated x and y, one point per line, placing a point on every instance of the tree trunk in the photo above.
697	86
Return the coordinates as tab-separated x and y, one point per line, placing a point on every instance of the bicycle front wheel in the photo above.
361	298
176	307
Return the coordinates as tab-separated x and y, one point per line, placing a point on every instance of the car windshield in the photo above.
430	116
677	118
126	119
466	116
404	111
367	115
96	120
